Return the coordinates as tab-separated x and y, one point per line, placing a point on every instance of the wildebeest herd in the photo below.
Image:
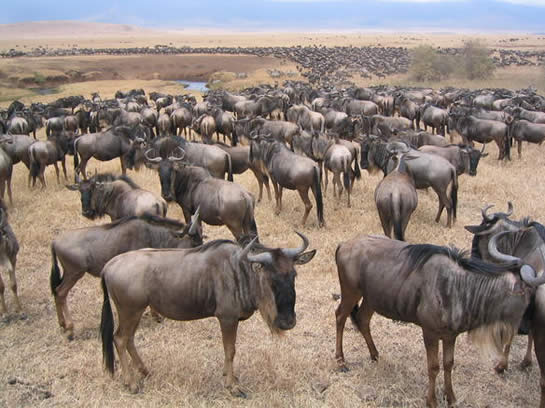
291	136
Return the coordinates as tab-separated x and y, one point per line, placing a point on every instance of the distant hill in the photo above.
67	29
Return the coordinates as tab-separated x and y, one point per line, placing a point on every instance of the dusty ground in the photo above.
40	368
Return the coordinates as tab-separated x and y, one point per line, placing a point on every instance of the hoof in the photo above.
70	336
500	368
524	364
237	392
343	369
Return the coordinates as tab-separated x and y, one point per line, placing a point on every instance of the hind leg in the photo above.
303	193
57	172
2	300
10	266
8	182
42	175
363	320
349	299
70	278
527	361
124	339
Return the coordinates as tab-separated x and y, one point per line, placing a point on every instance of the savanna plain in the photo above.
39	367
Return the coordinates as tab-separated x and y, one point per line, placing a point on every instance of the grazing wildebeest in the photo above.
280	130
116	196
384	124
44	153
218	279
211	157
435	287
310	120
531	116
89	249
240	159
484	131
354	107
205	126
221	202
408	109
118	141
289	170
396	199
16	146
9	247
465	159
525	131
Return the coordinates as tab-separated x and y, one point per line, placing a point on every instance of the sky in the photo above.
399	15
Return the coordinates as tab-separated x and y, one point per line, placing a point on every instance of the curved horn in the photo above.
194	222
485	216
262	258
151	159
244	253
174	158
482	150
509	209
2	218
294	252
497	255
528	275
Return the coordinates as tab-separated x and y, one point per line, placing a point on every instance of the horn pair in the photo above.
490	218
194	222
266	257
527	272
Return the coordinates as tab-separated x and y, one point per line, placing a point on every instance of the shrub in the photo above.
428	65
477	63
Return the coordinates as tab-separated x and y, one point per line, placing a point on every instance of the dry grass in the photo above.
297	369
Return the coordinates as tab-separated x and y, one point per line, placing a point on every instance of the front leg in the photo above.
448	363
229	336
432	352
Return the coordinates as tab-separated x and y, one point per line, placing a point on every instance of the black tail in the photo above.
507	143
454	194
76	158
396	214
417	119
55	278
346	175
107	330
353	315
357	171
229	167
34	166
317	190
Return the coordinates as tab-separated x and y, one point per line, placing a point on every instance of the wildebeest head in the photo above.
493	222
471	158
276	269
86	189
167	171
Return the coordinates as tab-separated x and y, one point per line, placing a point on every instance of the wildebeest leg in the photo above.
124	335
275	187
63	162
519	148
8	182
348	300
444	201
303	193
432	352
41	174
539	347
131	348
10	266
229	336
448	363
527	360
363	321
57	172
123	169
70	278
326	182
2	300
504	361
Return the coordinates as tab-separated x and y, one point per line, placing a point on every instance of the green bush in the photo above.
39	78
477	63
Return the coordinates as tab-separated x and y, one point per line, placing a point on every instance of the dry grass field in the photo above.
40	368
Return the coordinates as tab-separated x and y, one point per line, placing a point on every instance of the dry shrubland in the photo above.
39	367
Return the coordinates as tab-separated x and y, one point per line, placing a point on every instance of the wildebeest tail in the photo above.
507	143
353	315
454	193
317	190
396	215
417	119
34	166
228	167
76	158
55	279
346	174
357	171
107	330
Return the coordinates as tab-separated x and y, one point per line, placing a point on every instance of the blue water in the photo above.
194	85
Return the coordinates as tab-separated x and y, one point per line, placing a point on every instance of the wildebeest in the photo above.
407	109
218	279
211	157
465	159
434	117
531	116
6	171
435	287
396	199
118	141
116	196
164	125
88	249
338	159
181	120
44	153
220	202
525	131
205	126
225	124
289	170
484	131
280	130
9	247
240	160
16	146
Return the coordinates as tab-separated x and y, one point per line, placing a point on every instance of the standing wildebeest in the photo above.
220	202
280	130
116	196
16	146
118	141
434	117
6	171
396	199
181	120
89	249
149	120
465	159
225	124
338	159
484	131
44	153
211	157
434	287
523	130
9	247
240	159
531	116
408	109
219	279
163	125
205	126
54	126
289	170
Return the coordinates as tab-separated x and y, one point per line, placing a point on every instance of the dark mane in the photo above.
110	178
211	245
418	255
149	218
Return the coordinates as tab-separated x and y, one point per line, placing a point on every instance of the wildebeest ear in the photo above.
305	257
72	187
475	229
149	165
484	154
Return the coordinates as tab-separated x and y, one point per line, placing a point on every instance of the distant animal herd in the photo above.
291	136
